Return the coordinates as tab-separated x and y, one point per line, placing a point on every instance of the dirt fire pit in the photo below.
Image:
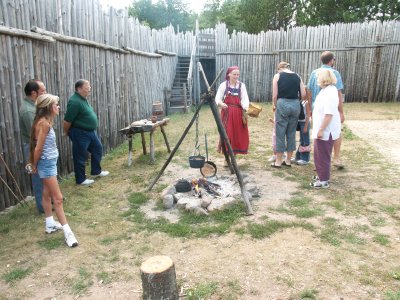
207	195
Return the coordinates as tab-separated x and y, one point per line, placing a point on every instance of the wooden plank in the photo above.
25	34
75	40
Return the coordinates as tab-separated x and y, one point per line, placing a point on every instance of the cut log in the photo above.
159	279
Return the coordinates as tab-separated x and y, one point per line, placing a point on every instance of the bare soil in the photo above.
289	264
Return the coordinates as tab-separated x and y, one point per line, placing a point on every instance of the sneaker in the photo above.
319	184
272	158
301	162
71	240
315	178
87	181
102	174
53	228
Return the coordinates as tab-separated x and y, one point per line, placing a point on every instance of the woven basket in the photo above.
254	110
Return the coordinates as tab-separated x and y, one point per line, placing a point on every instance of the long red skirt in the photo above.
238	134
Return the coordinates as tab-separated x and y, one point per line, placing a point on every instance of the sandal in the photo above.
275	166
338	164
286	165
319	185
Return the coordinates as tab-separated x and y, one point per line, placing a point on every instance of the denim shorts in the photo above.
47	168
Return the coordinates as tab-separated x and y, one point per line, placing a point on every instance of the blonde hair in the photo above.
44	105
46	101
283	65
325	77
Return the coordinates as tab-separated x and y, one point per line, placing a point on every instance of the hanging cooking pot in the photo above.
196	161
209	169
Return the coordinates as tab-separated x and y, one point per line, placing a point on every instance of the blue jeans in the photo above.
37	185
304	141
286	118
83	142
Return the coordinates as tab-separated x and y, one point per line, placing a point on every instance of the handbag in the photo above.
304	149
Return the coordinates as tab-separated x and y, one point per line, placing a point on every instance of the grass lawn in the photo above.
300	244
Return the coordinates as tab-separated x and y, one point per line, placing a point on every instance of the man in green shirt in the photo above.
80	124
33	89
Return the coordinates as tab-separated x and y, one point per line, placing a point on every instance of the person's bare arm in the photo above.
325	122
341	112
41	132
303	93
275	91
308	115
66	127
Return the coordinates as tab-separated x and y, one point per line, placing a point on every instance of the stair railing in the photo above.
191	66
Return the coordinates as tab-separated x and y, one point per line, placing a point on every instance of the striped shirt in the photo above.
50	150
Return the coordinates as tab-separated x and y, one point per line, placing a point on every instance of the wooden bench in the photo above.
141	127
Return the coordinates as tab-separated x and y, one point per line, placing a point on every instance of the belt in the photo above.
234	105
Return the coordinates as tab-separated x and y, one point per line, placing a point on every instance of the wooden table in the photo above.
141	127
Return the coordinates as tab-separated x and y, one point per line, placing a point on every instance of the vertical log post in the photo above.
143	143
167	100
130	138
159	279
184	97
152	146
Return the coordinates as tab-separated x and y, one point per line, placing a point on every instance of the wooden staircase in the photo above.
177	103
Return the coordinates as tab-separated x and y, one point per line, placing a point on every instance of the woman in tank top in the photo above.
287	90
43	160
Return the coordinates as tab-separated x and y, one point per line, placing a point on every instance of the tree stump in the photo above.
159	279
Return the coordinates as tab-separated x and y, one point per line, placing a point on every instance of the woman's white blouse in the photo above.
327	103
219	97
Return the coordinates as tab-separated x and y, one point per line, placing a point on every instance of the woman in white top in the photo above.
233	99
326	126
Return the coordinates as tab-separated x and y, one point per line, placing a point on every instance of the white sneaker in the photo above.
319	184
102	174
301	162
272	158
71	240
87	181
53	228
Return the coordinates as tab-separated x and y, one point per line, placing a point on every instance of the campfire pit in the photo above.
206	195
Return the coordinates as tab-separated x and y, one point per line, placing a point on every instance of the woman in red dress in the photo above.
233	99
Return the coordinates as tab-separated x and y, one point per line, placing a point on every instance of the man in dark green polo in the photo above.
33	89
80	124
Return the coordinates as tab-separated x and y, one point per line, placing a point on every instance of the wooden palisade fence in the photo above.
367	56
130	66
60	41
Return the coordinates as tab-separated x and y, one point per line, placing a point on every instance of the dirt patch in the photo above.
383	135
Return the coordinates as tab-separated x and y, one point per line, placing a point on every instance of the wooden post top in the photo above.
156	264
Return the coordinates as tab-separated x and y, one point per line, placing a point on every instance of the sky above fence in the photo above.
195	6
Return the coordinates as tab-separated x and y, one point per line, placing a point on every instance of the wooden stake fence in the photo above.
78	39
